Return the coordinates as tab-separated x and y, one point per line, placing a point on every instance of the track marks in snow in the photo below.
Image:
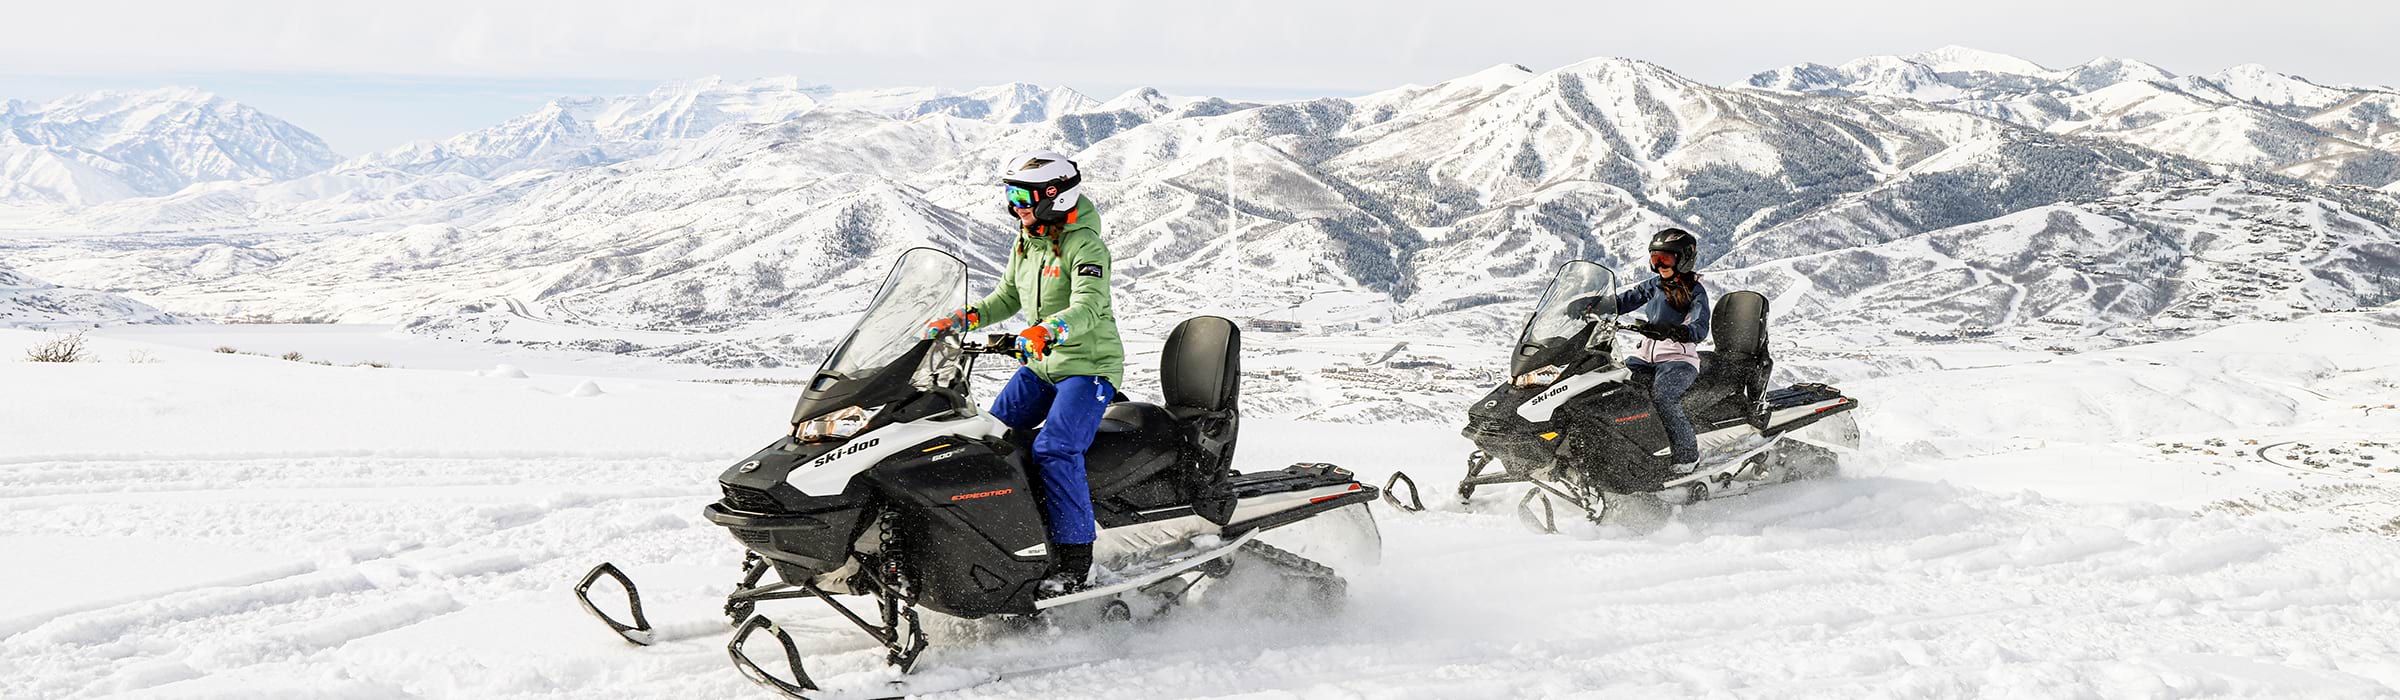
1849	588
395	541
441	579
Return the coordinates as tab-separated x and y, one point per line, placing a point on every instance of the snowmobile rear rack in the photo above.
639	632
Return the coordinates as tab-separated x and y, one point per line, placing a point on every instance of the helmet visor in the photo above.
1021	198
1661	260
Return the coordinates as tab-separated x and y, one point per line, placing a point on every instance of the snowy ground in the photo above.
2218	516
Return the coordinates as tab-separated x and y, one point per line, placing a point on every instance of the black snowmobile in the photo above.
1575	423
893	485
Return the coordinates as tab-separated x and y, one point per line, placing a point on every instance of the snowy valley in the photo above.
2121	340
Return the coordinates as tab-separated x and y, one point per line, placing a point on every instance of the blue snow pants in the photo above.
1666	397
1072	411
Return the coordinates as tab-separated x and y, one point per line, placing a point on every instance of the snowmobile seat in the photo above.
1136	441
1200	372
1740	326
1201	369
1201	375
1134	417
1737	371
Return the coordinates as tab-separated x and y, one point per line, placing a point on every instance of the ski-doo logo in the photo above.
749	466
855	447
1551	394
982	494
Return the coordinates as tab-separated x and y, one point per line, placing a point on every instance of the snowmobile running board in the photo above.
1162	571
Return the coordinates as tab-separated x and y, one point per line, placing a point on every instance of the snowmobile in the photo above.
1576	423
892	485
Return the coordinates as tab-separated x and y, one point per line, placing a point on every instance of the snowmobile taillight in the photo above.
1540	377
1345	492
841	424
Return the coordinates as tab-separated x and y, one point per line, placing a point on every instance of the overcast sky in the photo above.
369	76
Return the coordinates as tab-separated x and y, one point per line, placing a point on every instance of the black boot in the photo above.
1070	570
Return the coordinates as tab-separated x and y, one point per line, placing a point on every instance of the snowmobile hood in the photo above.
761	483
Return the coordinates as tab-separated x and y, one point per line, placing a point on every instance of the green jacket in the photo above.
1063	283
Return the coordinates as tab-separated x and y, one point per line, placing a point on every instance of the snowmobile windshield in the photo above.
1582	288
924	285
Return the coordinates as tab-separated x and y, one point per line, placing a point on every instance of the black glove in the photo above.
1661	331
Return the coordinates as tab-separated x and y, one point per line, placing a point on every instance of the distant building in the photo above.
1270	325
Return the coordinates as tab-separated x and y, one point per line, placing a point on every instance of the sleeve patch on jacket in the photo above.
1087	270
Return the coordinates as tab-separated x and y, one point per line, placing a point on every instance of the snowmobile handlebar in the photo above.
1653	331
993	344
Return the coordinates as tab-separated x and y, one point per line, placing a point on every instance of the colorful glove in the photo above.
960	321
1035	342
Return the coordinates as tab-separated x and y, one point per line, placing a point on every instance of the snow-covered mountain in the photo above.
2246	115
578	132
2128	268
424	182
730	222
26	302
104	146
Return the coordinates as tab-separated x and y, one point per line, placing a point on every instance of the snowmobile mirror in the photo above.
639	632
798	687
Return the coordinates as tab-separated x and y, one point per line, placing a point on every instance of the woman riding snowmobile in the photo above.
1675	310
1058	275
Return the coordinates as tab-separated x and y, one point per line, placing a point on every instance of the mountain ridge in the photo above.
1419	209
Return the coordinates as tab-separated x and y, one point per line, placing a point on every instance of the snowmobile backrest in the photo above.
1740	325
1201	367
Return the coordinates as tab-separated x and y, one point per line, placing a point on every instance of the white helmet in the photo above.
1044	180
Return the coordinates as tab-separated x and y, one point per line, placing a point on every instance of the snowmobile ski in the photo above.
639	631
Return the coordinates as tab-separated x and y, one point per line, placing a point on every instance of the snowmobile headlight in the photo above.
841	424
1540	377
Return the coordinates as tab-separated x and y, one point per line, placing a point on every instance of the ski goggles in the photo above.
1022	198
1659	260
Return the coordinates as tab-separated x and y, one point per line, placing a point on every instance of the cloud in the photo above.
1278	44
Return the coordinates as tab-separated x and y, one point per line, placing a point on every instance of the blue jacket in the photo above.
1652	302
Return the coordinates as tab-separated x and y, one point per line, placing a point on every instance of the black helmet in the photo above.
1678	243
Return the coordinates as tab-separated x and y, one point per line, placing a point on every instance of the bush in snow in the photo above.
65	348
140	357
293	356
226	350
